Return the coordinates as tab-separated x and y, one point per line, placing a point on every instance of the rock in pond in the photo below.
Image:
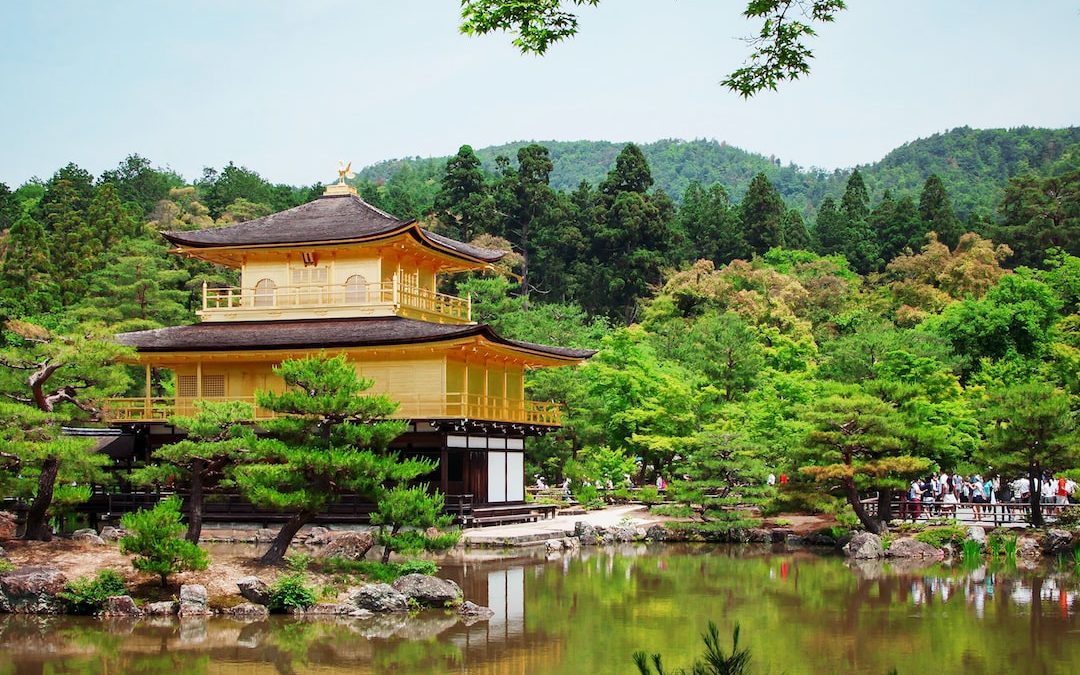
254	589
193	601
379	598
1028	547
864	546
120	605
429	591
31	590
471	609
246	610
656	533
348	545
586	533
976	533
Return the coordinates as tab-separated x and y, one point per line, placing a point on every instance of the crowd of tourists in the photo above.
943	494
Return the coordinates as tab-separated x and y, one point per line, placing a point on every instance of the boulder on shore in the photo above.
110	533
88	536
976	533
7	525
428	591
471	609
120	605
193	601
908	547
163	608
348	545
31	590
586	533
864	546
379	598
1028	547
254	589
1057	542
318	536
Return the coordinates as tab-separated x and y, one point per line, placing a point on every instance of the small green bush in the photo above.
376	571
939	537
291	591
155	541
1069	518
6	565
649	495
87	595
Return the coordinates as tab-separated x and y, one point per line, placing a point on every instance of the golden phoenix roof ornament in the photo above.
344	170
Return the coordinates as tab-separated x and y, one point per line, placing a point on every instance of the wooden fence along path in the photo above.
1007	514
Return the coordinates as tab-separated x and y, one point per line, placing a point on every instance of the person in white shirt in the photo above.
771	480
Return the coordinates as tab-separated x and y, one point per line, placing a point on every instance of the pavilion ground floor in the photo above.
479	468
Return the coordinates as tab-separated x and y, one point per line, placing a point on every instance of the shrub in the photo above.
649	495
291	591
154	538
938	537
377	571
88	596
6	565
1069	518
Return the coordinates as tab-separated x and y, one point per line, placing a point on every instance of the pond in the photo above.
588	612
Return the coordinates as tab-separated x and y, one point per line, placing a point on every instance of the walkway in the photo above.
524	534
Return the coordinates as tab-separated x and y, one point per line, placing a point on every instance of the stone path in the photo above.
524	534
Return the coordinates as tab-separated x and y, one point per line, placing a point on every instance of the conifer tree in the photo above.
139	288
795	234
630	174
937	213
464	204
897	226
29	287
763	214
856	201
712	226
65	378
216	440
74	248
830	229
330	439
106	217
9	207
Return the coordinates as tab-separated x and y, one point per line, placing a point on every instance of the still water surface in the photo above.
586	613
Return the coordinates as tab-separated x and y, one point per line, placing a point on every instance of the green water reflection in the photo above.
587	613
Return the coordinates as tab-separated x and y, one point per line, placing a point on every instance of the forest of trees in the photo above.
736	331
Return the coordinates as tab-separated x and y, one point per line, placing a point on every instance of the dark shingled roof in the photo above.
330	218
329	333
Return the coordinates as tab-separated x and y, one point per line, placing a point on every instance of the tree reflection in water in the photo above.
589	612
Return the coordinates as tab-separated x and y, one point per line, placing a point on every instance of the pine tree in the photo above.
711	224
897	225
631	173
937	213
830	230
763	213
795	234
329	439
856	201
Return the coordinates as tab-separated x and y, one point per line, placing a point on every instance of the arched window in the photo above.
355	290
264	293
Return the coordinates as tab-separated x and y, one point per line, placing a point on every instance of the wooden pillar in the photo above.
465	394
198	384
148	404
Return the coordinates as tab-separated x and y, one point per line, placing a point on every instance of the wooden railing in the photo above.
412	406
390	295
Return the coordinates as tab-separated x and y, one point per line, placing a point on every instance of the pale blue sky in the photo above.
288	88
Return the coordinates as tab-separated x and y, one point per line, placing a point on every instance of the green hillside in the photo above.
973	164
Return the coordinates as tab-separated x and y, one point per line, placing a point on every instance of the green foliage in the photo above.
1068	517
154	538
939	537
291	591
87	595
649	495
377	571
403	515
6	565
714	662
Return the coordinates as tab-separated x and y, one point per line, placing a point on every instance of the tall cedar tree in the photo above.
855	444
106	217
796	236
1032	429
897	225
70	185
529	204
464	204
712	226
74	248
1039	214
54	374
859	244
937	213
763	214
29	286
216	440
330	440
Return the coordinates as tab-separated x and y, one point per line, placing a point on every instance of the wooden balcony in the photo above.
333	301
413	407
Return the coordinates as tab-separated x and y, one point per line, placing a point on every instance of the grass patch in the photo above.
373	570
939	537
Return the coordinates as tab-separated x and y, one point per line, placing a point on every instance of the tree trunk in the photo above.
276	553
37	526
884	507
386	547
869	523
1035	497
195	508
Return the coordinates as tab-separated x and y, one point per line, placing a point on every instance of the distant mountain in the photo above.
974	165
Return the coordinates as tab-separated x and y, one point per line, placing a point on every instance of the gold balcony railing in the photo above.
412	406
390	296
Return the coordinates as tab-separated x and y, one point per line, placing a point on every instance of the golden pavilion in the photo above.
339	276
